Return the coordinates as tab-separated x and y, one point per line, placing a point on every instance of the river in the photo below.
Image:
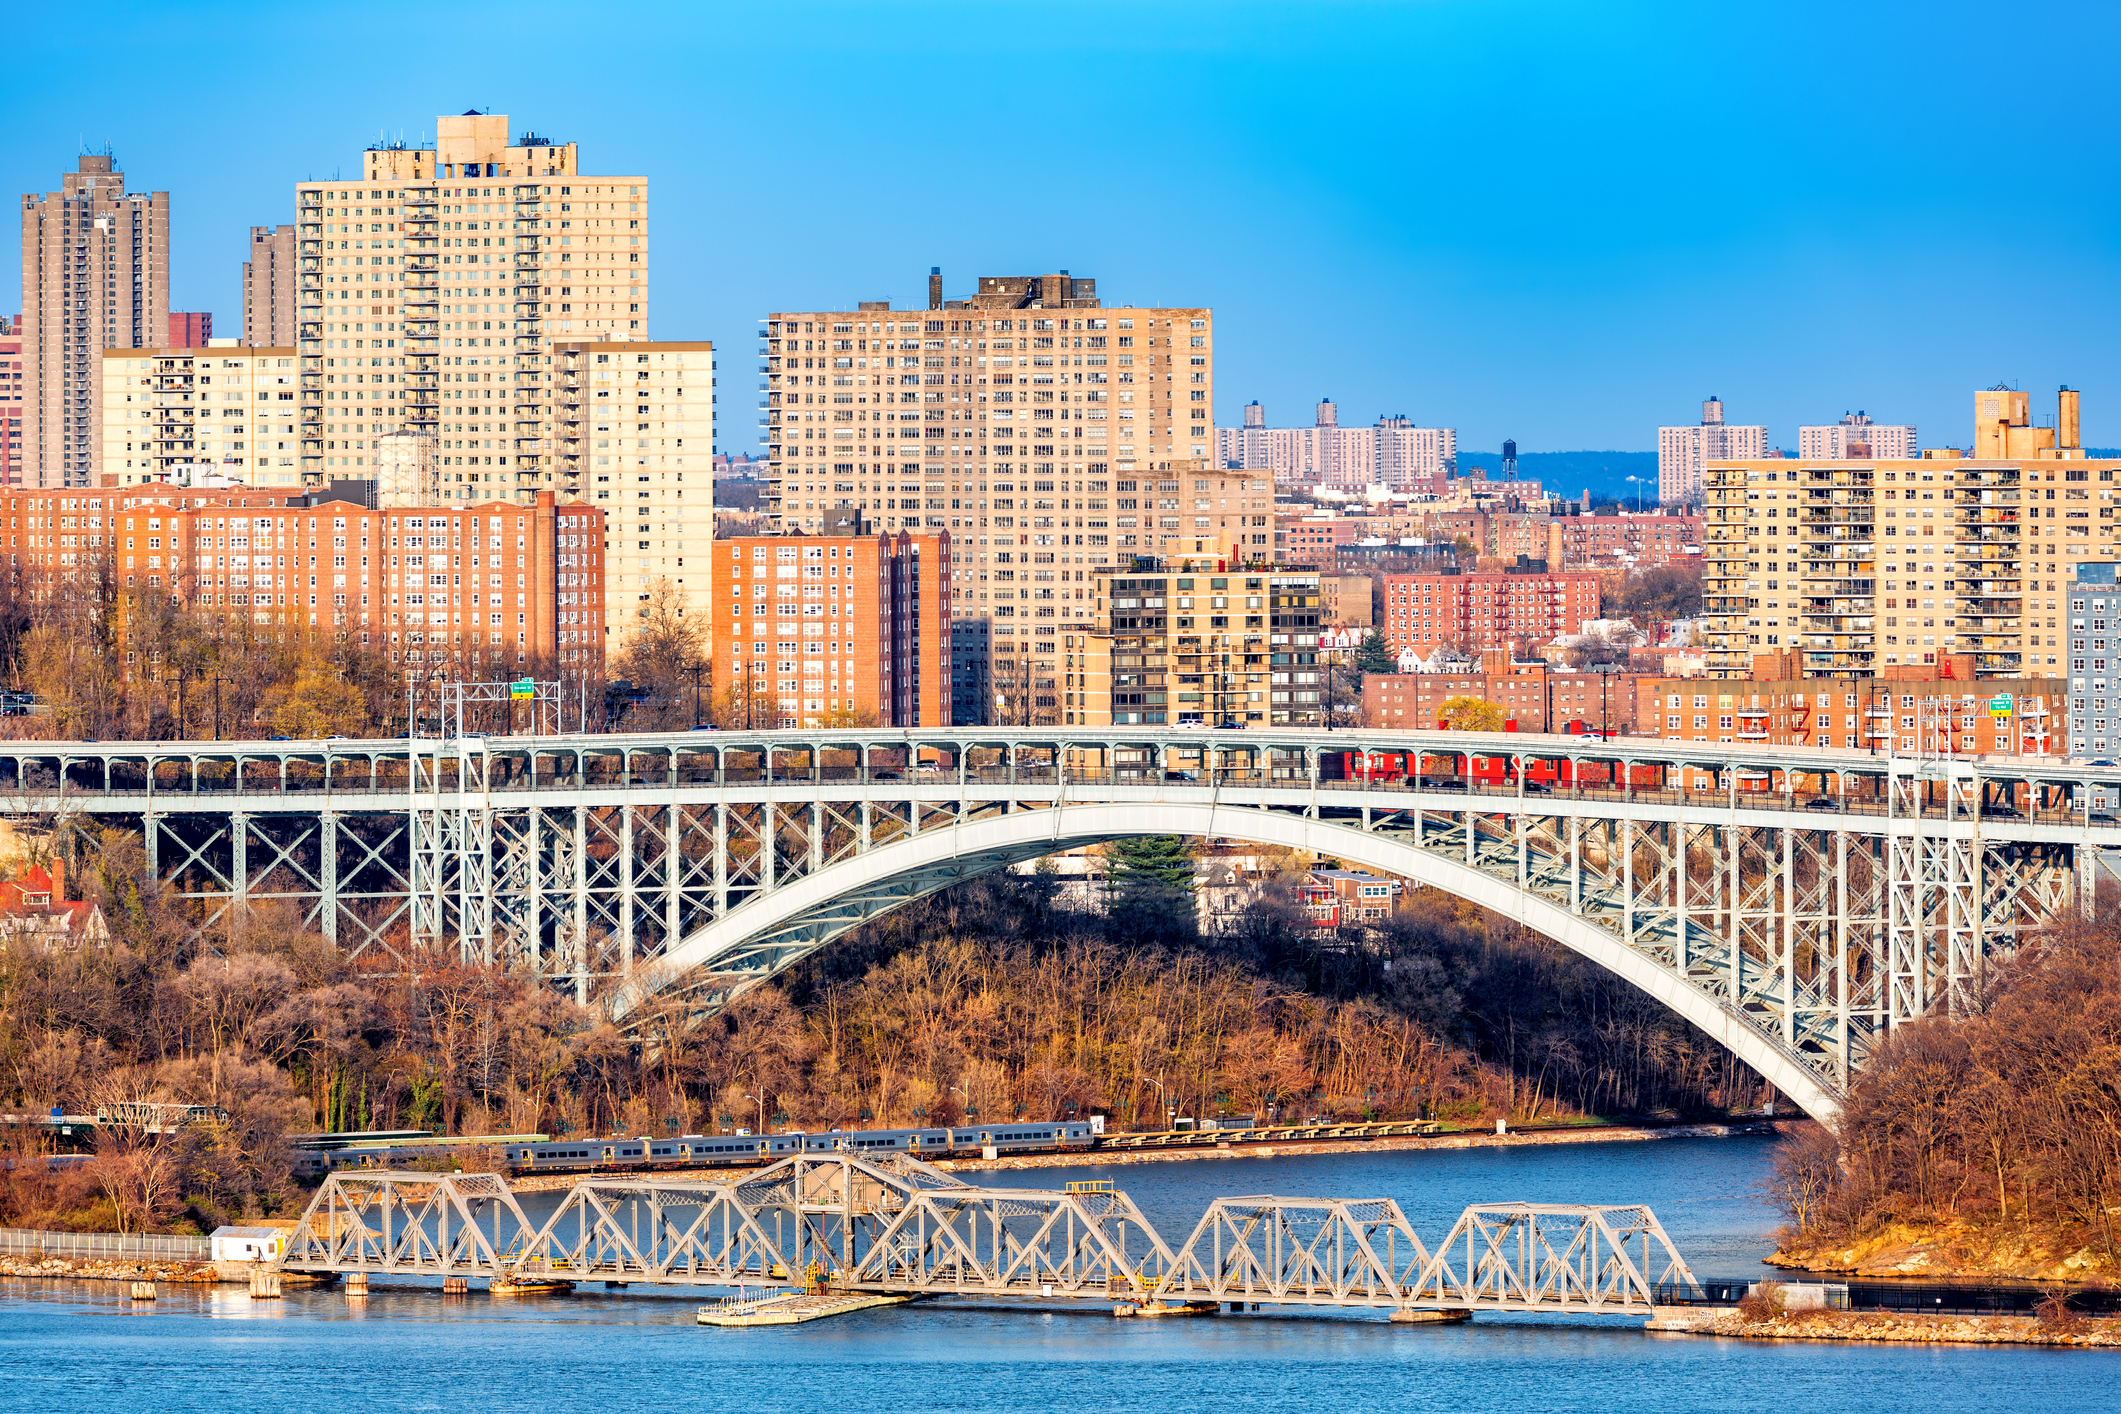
67	1345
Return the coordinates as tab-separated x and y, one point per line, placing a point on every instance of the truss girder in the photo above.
900	1226
1552	1257
465	1224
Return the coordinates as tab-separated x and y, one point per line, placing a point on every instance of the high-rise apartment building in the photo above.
189	329
1394	452
1857	437
1862	567
95	276
1683	453
431	291
634	435
2093	641
269	288
836	629
171	414
10	404
1197	641
1012	419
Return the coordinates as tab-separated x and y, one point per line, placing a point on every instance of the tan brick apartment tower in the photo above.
95	276
1031	396
269	288
634	436
432	290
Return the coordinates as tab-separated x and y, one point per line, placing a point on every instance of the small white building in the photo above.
248	1244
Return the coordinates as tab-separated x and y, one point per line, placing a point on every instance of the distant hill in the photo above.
1605	473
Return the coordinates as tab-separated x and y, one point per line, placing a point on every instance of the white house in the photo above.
248	1244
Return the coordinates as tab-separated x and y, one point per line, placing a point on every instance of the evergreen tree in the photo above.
1374	656
1159	858
1150	891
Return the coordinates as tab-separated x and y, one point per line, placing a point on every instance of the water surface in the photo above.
82	1345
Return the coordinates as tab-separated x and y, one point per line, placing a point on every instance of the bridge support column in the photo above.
482	893
239	867
1576	864
721	861
1788	946
1734	929
581	904
626	888
1627	881
534	885
1677	833
328	876
1841	957
673	869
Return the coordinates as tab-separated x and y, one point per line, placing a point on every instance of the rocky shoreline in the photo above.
1906	1251
108	1269
1895	1327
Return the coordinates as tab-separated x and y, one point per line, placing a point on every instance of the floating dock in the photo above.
793	1308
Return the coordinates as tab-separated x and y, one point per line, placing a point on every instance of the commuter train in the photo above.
525	1154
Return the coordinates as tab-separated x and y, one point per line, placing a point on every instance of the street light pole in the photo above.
696	671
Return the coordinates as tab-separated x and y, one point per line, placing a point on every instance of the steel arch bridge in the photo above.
1794	905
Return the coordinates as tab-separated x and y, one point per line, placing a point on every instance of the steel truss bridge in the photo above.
898	1226
1794	910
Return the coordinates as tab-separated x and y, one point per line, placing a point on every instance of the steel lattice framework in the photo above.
1795	912
902	1227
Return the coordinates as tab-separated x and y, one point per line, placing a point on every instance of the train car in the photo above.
620	1153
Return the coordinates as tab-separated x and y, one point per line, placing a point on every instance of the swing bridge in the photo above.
1793	904
903	1228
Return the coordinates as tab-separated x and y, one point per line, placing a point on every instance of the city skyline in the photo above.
1532	285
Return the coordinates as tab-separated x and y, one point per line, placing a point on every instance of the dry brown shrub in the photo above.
1762	1303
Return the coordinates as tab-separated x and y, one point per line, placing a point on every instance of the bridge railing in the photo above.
947	780
27	1242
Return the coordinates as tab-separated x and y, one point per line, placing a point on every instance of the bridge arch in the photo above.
779	927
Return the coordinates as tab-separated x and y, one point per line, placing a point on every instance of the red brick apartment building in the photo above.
478	586
1532	694
1314	540
1481	611
837	625
1637	541
1914	710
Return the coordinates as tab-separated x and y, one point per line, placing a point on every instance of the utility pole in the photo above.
696	671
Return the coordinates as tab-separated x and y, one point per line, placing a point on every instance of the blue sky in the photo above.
1564	223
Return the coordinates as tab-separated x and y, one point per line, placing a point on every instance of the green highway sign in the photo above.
519	691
